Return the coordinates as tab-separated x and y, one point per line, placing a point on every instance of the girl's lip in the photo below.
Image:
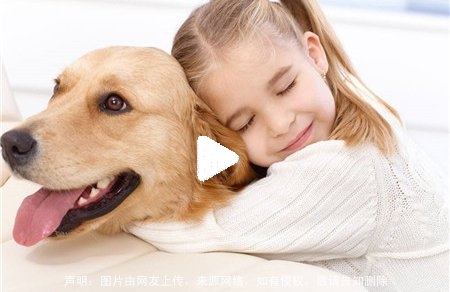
300	140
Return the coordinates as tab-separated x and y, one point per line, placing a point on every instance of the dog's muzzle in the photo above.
18	148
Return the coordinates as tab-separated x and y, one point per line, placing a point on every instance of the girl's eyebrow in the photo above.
282	71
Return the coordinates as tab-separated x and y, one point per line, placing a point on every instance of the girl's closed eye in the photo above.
287	89
247	125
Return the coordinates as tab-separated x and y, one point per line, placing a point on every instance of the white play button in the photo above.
212	158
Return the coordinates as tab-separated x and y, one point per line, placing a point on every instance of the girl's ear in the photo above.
315	51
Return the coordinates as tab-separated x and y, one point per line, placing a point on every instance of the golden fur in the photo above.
79	144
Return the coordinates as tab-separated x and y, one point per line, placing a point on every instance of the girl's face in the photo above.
274	95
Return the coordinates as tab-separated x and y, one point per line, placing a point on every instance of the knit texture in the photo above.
381	220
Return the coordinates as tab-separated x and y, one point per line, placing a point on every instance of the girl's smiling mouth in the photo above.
300	140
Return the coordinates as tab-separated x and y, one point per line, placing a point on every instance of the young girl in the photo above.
345	187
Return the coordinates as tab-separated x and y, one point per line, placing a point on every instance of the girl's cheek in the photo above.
249	144
253	145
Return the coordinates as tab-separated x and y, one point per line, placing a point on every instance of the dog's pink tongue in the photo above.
41	213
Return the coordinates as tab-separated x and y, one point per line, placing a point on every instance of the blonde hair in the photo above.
220	24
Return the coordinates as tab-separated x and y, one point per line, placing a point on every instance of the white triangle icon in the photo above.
212	158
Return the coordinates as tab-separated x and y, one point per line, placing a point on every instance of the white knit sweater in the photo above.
353	210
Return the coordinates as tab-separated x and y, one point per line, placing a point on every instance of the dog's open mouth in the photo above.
52	212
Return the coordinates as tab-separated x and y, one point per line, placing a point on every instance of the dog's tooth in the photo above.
81	201
94	192
103	183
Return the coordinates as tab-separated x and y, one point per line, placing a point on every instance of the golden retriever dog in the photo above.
117	144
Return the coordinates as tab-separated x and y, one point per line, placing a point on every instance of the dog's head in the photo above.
116	145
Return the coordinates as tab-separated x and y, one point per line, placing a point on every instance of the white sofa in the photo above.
93	262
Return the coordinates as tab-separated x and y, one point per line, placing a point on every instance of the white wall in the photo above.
404	58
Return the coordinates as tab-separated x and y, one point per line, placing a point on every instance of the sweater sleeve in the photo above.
319	203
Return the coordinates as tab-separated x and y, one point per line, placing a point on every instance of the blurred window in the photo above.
438	7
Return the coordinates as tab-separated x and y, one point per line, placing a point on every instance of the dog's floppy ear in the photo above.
206	123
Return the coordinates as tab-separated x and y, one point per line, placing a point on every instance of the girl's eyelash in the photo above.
247	125
281	93
287	89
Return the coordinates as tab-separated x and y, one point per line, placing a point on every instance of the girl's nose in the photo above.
279	123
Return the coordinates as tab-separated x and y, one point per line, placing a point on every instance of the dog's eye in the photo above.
114	103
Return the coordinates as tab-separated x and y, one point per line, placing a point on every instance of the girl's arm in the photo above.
320	203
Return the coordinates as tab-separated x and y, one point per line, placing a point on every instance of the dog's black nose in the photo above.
18	147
